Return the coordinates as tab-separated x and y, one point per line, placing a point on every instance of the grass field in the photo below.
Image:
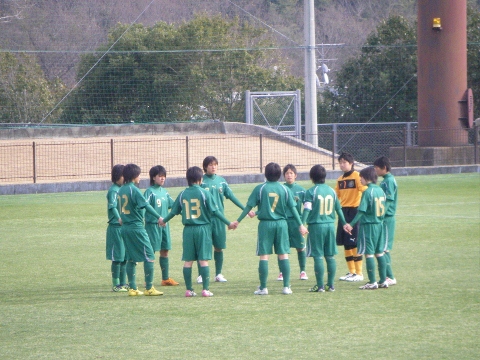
56	301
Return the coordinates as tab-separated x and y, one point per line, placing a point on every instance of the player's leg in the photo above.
219	241
164	261
348	242
188	256
366	247
264	249
297	241
329	251
203	245
132	276
281	245
389	228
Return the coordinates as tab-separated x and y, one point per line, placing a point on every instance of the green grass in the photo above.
56	302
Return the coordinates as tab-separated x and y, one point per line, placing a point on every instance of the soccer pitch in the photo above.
56	300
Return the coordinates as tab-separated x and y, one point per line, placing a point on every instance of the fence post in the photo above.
334	144
261	153
34	147
186	144
111	154
475	142
405	140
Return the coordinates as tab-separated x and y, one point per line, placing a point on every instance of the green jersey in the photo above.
372	206
218	187
272	200
132	204
196	206
160	200
389	186
298	195
321	204
112	211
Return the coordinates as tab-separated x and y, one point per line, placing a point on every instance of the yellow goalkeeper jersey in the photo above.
349	189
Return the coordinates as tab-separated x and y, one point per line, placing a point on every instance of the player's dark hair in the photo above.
117	172
156	170
347	157
194	175
383	163
207	161
289	167
273	171
318	174
130	172
369	174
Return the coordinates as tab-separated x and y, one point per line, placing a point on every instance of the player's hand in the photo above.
161	223
303	230
120	221
233	225
348	228
251	214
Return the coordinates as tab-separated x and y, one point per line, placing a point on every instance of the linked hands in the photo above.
233	225
303	230
161	223
251	214
348	228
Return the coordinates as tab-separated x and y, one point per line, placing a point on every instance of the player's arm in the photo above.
357	218
113	206
338	210
244	213
214	209
176	209
307	207
229	195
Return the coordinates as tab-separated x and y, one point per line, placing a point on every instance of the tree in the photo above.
473	56
25	95
197	70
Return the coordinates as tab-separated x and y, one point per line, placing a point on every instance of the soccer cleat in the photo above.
369	286
343	278
190	293
317	289
169	282
383	285
287	291
280	277
152	292
206	293
119	288
134	292
391	282
259	291
199	279
330	288
303	276
220	278
355	277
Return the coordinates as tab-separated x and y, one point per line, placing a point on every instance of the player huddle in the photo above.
138	224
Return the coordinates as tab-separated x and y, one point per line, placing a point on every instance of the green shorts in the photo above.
219	233
137	244
389	231
197	243
297	241
370	239
115	248
272	234
159	237
321	240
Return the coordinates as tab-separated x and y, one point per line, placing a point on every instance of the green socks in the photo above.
371	269
218	257
302	260
285	269
263	273
388	259
319	270
331	269
187	276
382	268
123	273
148	268
132	276
205	272
164	267
115	273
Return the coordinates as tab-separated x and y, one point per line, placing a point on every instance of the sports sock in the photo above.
278	262
388	260
123	273
205	272
350	261
331	269
199	267
371	269
115	273
358	262
319	270
164	267
263	273
218	257
382	268
131	274
285	267
187	276
149	269
302	259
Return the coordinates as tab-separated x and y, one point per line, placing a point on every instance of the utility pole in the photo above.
311	135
